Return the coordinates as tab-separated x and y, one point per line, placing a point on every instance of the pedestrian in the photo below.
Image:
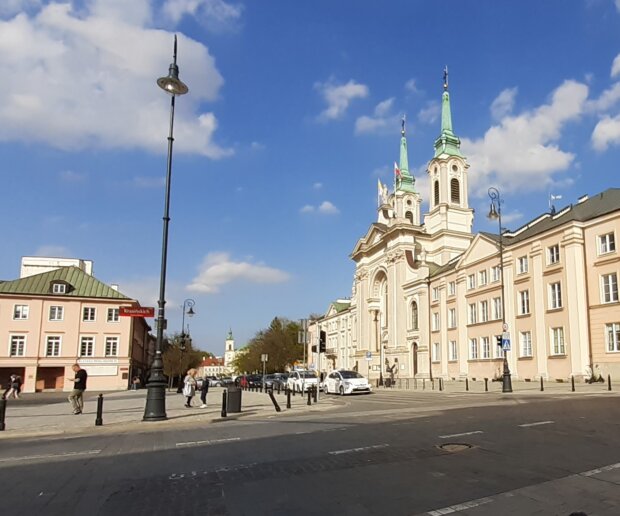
204	389
13	388
189	386
76	398
135	383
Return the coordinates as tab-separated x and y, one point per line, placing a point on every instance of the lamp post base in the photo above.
155	409
506	379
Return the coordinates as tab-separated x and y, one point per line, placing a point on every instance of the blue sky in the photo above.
293	114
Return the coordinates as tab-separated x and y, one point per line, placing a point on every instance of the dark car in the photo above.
254	380
275	380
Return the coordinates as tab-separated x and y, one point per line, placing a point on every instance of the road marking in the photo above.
212	441
355	450
460	507
51	456
538	423
460	435
593	472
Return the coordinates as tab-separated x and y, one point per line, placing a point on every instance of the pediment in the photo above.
481	247
372	237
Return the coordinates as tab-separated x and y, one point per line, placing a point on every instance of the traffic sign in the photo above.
506	344
368	355
136	311
505	327
264	357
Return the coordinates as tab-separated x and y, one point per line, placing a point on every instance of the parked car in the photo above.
345	382
276	379
301	381
254	380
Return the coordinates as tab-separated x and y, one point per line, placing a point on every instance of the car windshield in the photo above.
350	374
270	376
307	374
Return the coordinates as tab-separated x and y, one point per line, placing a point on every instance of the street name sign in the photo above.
138	311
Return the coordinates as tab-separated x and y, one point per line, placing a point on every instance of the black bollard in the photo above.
288	398
279	389
486	385
433	384
2	413
309	396
441	384
315	393
608	387
466	384
423	384
273	400
572	383
224	399
99	418
542	385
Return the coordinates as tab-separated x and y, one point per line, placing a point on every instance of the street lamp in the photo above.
188	308
495	213
155	409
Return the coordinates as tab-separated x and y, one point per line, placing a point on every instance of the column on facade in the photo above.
539	339
443	328
461	319
509	312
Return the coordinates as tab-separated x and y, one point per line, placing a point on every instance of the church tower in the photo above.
407	201
229	353
448	200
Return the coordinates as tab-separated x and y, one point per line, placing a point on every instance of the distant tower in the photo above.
229	353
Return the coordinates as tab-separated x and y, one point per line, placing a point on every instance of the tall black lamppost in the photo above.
188	308
496	213
155	409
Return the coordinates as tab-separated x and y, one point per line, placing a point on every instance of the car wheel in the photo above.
341	390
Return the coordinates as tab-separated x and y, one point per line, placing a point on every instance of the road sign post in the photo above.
264	358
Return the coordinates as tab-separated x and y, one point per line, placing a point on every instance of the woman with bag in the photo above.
189	386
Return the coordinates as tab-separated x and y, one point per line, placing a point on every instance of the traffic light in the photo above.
322	342
498	339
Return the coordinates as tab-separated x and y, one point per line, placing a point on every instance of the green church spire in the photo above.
404	180
448	142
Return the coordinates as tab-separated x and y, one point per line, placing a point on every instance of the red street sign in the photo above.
144	311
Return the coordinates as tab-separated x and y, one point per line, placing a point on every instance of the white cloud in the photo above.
606	133
317	186
607	99
615	67
257	146
380	119
411	86
325	208
218	269
70	176
338	97
430	113
11	7
86	79
54	251
503	103
618	5
215	14
521	152
307	209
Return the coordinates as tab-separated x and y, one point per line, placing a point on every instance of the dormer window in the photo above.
59	288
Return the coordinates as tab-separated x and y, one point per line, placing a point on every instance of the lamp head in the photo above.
493	215
172	84
190	312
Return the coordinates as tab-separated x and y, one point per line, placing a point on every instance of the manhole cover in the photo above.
455	447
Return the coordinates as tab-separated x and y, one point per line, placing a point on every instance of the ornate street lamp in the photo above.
188	308
495	213
155	409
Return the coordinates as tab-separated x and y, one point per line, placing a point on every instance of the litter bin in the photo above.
233	401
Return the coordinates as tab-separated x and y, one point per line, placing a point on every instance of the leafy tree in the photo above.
179	355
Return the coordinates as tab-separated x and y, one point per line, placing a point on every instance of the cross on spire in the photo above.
403	121
445	78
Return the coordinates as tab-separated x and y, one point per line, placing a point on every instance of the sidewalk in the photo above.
124	411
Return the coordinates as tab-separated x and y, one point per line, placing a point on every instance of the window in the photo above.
17	344
525	339
482	278
555	296
436	352
497	308
553	254
473	349
452	318
485	344
436	321
113	315
524	302
606	243
409	217
471	281
435	293
20	312
59	288
453	350
557	341
472	314
484	311
87	346
414	315
56	313
613	336
89	313
452	288
522	265
496	273
609	287
455	191
52	347
111	346
436	188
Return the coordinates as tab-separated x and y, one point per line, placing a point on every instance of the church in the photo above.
431	299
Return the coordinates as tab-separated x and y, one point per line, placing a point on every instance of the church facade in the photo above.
430	298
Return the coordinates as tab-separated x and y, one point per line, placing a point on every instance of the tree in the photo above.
179	355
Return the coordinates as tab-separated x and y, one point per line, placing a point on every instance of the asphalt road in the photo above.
379	454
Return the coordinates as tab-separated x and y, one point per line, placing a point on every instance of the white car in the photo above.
345	382
301	381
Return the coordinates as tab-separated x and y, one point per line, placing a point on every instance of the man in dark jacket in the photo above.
204	388
76	398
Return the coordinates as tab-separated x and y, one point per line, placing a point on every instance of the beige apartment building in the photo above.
427	300
56	314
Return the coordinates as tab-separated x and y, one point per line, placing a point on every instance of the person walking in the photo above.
76	398
13	387
189	386
204	389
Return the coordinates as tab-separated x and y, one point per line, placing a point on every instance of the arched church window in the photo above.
409	216
414	316
436	195
455	191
